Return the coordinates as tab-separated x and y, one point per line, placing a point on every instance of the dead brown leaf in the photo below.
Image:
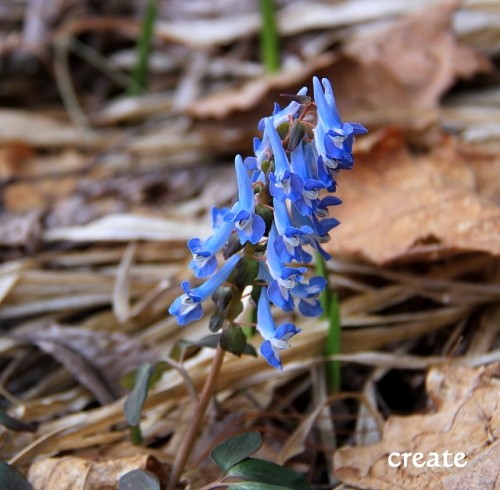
45	131
406	65
69	473
250	95
28	195
400	205
13	157
98	360
466	421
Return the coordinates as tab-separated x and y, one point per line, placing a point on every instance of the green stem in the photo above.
331	312
194	424
333	344
135	434
320	267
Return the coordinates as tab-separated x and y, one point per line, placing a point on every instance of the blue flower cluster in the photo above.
281	211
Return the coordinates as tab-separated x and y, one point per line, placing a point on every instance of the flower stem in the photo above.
194	424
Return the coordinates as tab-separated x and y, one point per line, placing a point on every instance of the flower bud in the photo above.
283	130
216	322
266	214
267	166
246	272
222	297
297	134
233	246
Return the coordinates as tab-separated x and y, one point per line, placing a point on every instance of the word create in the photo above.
429	460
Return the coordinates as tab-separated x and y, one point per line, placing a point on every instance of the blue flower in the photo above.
289	238
262	151
306	169
323	205
250	226
187	307
218	217
324	226
275	339
333	139
308	295
204	261
320	230
282	183
284	278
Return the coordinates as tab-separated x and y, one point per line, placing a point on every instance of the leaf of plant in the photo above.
186	348
255	485
209	341
15	424
250	350
235	449
138	480
258	470
136	399
10	478
128	381
233	340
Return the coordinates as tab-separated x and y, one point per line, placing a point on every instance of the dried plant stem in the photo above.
199	410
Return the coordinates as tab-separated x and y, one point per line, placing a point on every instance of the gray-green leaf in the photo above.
258	470
138	480
236	449
11	479
255	485
136	399
233	340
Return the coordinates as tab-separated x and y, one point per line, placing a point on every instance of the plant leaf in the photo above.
136	399
235	449
255	485
128	380
262	471
233	340
250	350
209	341
10	478
138	480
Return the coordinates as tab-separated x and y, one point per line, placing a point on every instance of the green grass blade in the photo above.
269	38
138	80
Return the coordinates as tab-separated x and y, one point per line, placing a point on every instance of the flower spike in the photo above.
281	214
